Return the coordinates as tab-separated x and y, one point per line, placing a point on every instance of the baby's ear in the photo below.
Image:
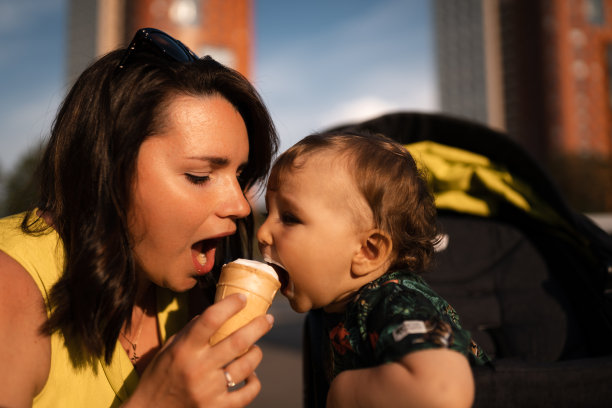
375	251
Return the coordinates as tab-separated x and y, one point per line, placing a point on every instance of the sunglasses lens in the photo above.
171	47
159	42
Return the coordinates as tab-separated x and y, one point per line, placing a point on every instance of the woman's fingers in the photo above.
206	324
190	370
241	368
242	339
246	394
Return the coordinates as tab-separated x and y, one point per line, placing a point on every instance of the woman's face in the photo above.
186	195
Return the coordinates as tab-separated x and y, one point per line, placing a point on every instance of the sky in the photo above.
316	64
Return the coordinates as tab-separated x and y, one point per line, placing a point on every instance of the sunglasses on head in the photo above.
154	40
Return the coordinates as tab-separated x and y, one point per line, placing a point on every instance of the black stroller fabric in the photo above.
528	275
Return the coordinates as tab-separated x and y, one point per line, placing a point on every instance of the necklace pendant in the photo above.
135	356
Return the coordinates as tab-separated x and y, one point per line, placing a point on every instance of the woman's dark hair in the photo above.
388	178
87	173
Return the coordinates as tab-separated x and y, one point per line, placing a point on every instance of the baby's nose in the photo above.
263	235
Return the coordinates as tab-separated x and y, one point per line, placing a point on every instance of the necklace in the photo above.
134	343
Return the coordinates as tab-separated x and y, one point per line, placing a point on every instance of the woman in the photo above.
143	186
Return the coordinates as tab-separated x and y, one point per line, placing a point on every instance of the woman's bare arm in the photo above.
428	378
25	354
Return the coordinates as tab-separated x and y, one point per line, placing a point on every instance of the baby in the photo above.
351	224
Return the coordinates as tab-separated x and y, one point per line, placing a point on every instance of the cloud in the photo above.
355	110
358	110
377	61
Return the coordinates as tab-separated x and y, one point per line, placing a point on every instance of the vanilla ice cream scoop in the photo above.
257	265
257	281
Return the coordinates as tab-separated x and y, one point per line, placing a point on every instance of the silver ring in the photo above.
229	380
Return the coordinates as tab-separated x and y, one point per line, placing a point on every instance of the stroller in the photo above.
529	276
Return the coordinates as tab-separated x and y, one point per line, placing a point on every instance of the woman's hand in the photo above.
188	372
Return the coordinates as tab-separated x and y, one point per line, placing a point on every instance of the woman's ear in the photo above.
374	253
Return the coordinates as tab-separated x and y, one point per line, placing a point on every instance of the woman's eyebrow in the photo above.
217	161
214	160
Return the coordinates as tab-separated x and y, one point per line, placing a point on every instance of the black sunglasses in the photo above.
157	41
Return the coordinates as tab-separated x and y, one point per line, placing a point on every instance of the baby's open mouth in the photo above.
283	276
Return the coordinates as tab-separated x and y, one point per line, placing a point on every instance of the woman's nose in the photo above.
235	204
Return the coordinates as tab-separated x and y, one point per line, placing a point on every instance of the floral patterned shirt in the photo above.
390	317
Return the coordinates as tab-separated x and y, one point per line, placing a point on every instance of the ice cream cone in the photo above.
256	280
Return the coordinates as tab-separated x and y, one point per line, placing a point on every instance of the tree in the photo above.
20	185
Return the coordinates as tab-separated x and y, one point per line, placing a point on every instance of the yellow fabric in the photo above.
470	183
98	385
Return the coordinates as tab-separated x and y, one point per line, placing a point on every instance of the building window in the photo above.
185	12
595	12
609	72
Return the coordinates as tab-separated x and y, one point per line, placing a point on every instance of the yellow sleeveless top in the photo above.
67	386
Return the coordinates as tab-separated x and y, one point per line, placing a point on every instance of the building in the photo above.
220	28
542	71
465	70
539	69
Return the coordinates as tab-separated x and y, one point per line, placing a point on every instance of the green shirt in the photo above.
392	316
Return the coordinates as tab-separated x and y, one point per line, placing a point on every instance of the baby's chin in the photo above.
304	307
299	309
297	306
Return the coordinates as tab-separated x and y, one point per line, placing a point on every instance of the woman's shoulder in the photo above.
39	252
25	353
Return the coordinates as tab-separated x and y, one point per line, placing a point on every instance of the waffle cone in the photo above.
258	286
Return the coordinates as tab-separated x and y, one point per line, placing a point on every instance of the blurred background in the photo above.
540	70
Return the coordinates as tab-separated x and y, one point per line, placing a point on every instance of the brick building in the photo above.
220	28
542	71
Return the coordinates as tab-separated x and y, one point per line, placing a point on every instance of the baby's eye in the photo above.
289	219
242	179
197	179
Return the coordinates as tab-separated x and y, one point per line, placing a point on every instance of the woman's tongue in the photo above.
203	255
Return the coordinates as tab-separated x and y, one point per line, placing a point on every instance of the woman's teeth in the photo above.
201	258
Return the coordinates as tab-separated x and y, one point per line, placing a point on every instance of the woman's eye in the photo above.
197	179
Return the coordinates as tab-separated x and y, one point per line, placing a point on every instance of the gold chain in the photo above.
134	343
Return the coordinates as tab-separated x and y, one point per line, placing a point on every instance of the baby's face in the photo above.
313	230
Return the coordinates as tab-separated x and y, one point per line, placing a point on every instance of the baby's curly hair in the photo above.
388	178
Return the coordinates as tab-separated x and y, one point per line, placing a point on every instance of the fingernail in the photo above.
242	297
270	319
